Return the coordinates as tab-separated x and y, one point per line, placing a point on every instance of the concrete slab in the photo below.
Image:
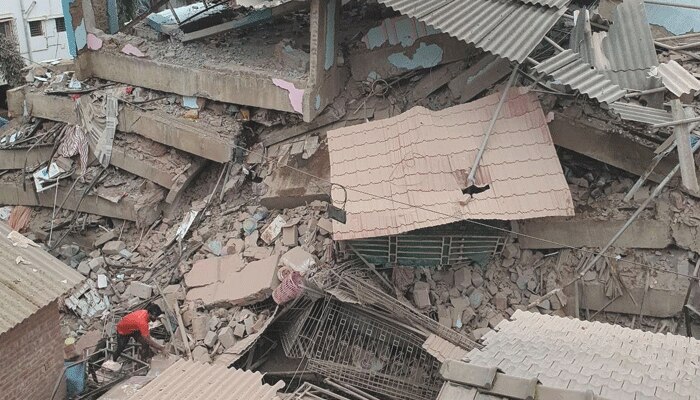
15	158
228	286
143	211
158	126
237	86
643	234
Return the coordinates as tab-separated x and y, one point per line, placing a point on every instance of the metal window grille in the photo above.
36	28
370	353
60	24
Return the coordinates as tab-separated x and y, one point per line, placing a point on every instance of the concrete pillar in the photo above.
325	78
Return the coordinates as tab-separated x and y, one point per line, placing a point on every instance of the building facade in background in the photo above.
38	28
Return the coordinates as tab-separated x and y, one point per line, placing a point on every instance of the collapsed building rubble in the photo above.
363	200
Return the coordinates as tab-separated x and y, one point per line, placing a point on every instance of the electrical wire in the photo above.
460	218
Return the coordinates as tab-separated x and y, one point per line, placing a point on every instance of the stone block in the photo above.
444	316
113	247
97	263
421	295
104	238
84	268
290	236
239	330
210	339
140	290
213	323
463	278
201	354
199	327
500	301
227	337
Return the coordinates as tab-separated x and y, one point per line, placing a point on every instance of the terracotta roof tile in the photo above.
422	158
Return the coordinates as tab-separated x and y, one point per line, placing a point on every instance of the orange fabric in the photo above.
135	321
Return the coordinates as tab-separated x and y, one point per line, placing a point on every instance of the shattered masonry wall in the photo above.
75	25
31	355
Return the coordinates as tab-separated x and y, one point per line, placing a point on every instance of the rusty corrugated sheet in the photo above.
677	79
636	112
508	28
421	159
26	288
568	68
187	380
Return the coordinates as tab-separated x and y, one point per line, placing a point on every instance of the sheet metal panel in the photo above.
636	112
508	28
26	288
568	68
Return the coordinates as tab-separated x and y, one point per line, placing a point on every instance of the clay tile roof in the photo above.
187	380
30	284
609	360
421	158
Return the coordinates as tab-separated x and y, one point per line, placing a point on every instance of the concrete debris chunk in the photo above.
271	233
210	339
290	236
298	260
113	247
141	290
199	327
221	282
421	295
201	354
227	337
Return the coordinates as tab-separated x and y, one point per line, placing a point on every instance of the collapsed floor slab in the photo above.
158	126
143	208
234	85
15	158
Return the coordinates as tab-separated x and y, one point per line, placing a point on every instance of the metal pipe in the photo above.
665	3
27	36
172	10
677	122
686	36
492	123
645	92
553	43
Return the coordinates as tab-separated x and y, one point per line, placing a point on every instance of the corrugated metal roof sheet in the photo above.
635	112
186	380
25	289
677	79
629	48
677	20
508	28
421	158
568	68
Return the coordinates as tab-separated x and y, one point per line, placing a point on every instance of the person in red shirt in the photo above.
135	325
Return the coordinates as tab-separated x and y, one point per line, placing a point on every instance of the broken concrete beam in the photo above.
593	141
329	116
184	180
435	79
15	158
643	234
158	126
426	52
143	211
479	77
219	283
288	188
234	85
660	303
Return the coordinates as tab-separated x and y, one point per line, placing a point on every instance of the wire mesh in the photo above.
369	353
